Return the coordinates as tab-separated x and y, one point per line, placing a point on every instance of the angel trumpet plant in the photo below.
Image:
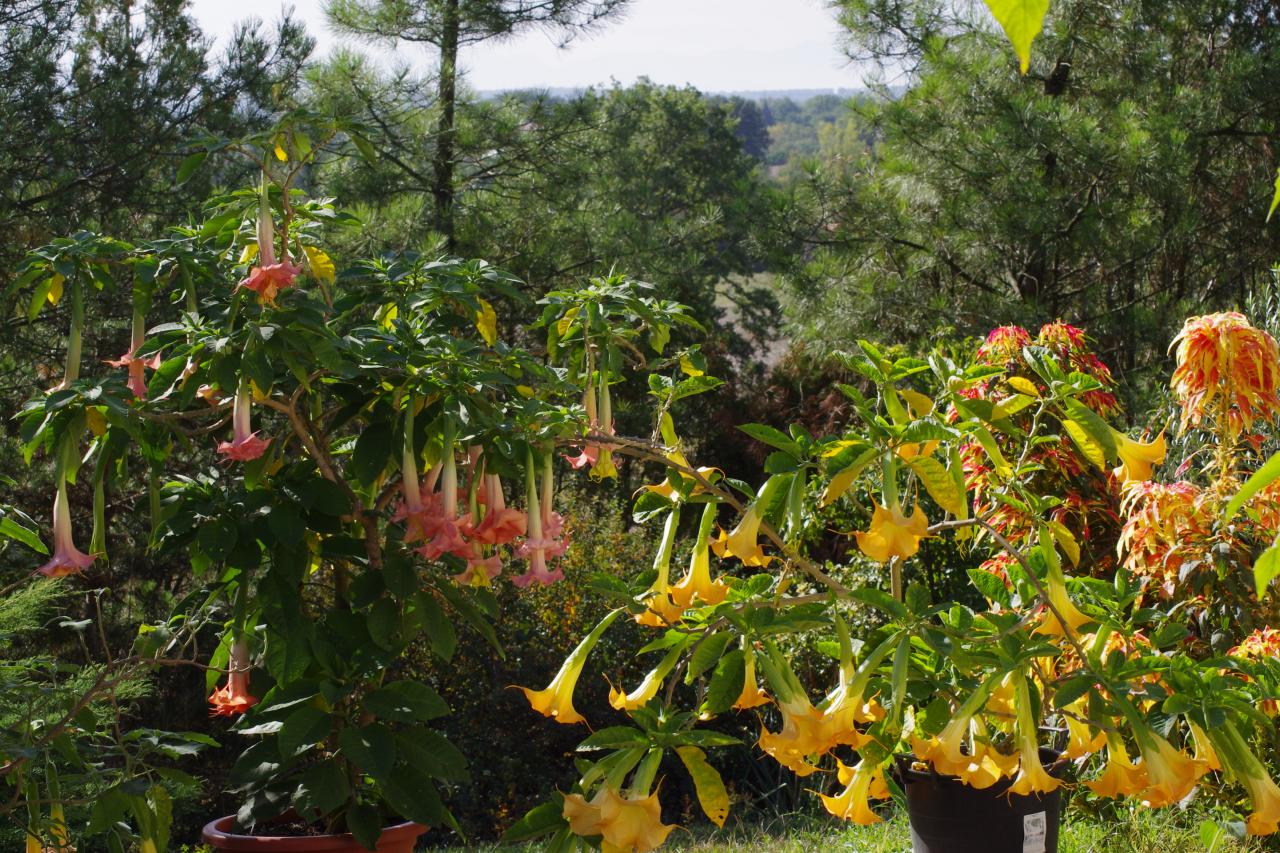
660	610
862	782
697	584
556	699
67	559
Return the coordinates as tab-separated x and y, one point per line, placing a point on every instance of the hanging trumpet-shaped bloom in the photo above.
1056	592
1136	458
697	584
245	444
583	815
1121	777
234	698
1205	757
946	750
986	764
648	688
862	782
1082	739
632	824
67	559
660	610
269	276
893	534
751	696
1170	772
1228	368
743	543
442	525
137	366
501	524
556	700
1032	777
536	547
1240	760
480	570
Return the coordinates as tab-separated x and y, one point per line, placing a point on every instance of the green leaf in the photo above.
726	684
440	633
372	452
1266	568
712	796
880	600
11	529
188	167
323	788
538	821
432	752
1259	480
706	654
406	702
410	791
1099	431
1022	21
773	438
940	485
372	748
364	821
990	585
1071	690
614	737
303	729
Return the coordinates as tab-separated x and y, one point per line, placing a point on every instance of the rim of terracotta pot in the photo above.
218	833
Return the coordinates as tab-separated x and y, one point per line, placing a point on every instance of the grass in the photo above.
1137	831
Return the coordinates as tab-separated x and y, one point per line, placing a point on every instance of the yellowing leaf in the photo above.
487	323
1275	199
987	440
250	252
841	482
321	264
565	323
920	404
838	447
707	782
1022	21
387	315
55	288
688	367
258	394
281	154
1023	385
1088	447
1010	406
939	483
524	391
1066	541
96	420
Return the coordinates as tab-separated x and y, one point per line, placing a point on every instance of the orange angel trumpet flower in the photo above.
893	534
556	699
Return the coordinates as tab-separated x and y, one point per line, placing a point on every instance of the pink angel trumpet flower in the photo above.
501	524
137	367
552	521
67	559
535	547
441	524
269	276
480	570
245	445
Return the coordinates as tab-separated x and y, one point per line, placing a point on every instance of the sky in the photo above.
714	45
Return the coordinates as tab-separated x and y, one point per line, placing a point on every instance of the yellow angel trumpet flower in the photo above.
1121	777
985	766
1171	773
751	696
1031	778
697	584
864	781
631	824
945	750
583	815
1055	584
1082	739
648	688
1205	757
893	534
660	611
806	731
556	700
1240	760
1137	458
743	542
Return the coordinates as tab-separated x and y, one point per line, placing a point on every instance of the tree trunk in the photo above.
446	92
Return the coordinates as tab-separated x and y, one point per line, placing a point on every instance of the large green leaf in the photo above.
406	702
1263	477
1022	21
372	748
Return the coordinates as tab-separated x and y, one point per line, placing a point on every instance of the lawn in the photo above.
1139	831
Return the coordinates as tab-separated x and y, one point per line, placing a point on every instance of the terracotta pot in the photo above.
395	839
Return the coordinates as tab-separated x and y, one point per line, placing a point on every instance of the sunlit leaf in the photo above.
1022	21
706	780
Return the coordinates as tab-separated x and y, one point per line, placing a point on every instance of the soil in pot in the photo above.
948	816
302	838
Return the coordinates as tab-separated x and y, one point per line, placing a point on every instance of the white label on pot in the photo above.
1033	832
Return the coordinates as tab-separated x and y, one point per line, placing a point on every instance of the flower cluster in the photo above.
1227	373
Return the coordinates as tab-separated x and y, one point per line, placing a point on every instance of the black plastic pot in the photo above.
948	816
